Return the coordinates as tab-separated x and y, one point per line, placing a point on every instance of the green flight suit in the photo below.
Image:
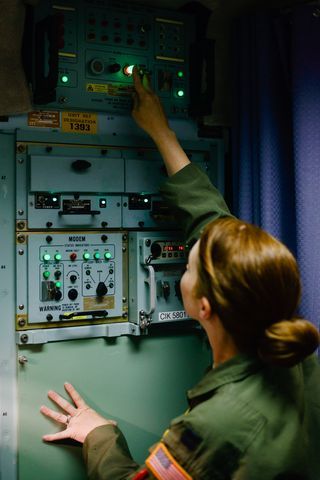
246	421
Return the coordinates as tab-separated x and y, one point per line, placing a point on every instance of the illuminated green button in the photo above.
86	256
46	257
180	74
57	257
128	70
58	284
107	255
180	93
46	274
64	79
97	256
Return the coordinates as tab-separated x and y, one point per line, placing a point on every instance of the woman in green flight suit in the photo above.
256	414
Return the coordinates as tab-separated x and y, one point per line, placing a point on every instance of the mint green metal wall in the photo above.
140	382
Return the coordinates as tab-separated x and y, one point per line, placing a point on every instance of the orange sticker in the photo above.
79	122
164	466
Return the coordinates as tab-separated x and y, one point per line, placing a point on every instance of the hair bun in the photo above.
288	342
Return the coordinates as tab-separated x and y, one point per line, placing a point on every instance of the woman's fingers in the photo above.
64	434
76	397
62	403
137	81
57	416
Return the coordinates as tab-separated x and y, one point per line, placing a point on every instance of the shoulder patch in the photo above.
164	466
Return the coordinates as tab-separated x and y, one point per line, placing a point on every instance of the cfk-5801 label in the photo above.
172	316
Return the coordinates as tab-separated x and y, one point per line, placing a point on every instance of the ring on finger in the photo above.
68	418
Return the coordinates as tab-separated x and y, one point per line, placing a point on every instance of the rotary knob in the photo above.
101	289
72	294
156	250
97	66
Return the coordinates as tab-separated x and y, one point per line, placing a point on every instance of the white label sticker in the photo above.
171	316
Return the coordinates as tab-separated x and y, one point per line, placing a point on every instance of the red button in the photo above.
73	256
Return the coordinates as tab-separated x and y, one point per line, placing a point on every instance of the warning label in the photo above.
79	122
114	90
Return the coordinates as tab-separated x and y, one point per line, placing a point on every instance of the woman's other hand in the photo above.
79	418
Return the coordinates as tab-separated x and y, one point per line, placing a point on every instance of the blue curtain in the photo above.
276	139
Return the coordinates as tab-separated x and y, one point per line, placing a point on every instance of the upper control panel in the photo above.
85	50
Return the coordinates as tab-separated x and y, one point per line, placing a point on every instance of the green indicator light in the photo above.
180	74
57	257
180	93
46	257
86	256
46	274
97	256
107	255
64	79
58	284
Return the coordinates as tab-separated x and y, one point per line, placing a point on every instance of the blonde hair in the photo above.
252	282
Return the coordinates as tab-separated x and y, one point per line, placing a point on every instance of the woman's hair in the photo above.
253	284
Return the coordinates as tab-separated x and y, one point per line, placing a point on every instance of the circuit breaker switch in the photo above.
101	289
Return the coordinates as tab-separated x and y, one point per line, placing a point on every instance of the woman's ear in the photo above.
205	312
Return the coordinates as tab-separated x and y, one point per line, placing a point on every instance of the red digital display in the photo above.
173	248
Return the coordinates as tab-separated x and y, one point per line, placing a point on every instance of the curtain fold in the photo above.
276	140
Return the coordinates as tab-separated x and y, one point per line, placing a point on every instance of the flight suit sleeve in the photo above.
194	199
107	456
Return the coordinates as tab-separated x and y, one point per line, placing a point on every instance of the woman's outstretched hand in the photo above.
147	109
79	418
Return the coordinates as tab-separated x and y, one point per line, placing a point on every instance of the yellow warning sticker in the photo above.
111	89
79	122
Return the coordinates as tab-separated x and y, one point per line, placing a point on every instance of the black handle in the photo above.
79	212
93	313
80	165
46	40
201	77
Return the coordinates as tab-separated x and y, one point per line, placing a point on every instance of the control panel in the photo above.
98	251
71	278
90	187
86	49
156	263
